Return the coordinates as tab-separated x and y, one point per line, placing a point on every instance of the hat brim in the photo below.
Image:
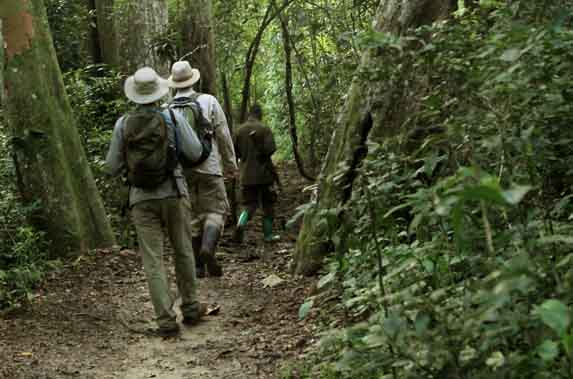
195	76
131	94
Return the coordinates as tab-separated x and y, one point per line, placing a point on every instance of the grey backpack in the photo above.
201	126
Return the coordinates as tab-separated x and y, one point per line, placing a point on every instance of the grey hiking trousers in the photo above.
151	218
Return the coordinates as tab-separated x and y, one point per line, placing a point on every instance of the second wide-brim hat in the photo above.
183	75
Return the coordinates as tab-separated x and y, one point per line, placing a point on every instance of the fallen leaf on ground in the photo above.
213	310
272	281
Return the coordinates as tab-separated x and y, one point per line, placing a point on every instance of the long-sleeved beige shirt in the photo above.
222	160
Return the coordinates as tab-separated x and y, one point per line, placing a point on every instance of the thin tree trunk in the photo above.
228	107
94	45
252	52
51	164
316	106
290	100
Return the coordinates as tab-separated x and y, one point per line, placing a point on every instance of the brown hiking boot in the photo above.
164	332
238	234
194	319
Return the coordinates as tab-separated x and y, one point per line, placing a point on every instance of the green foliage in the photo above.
456	261
23	257
69	23
324	57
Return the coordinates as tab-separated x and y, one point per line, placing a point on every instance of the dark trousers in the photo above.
258	196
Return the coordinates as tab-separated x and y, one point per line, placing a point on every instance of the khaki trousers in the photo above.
209	203
151	218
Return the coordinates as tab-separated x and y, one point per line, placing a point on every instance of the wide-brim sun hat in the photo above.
145	86
183	75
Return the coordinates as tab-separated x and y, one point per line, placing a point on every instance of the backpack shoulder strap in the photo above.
175	129
195	95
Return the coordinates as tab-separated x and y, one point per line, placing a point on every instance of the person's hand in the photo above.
231	175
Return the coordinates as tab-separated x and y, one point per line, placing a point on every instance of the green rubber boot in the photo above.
239	233
268	230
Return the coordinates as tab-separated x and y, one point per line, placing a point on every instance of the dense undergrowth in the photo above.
24	257
455	257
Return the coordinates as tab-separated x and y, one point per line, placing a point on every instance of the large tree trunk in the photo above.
1	66
106	26
140	22
52	169
199	41
369	115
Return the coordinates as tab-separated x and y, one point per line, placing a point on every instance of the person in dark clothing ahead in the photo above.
254	147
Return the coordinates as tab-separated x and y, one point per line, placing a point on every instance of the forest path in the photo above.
84	321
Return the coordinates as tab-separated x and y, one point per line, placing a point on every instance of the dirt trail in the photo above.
82	323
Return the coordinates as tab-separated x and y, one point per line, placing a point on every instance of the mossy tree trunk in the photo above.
369	115
199	39
53	173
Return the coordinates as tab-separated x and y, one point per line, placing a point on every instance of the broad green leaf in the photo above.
305	308
392	326
496	360
429	265
467	354
422	322
487	193
327	279
568	343
374	340
396	208
555	314
511	55
514	195
558	238
548	350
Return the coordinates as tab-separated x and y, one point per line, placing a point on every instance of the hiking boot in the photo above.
199	264
208	246
239	232
167	332
268	230
193	319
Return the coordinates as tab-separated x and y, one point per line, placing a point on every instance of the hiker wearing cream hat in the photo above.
147	145
209	202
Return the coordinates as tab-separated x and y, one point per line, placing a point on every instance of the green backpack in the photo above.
150	157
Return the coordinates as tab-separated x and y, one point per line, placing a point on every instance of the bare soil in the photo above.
86	320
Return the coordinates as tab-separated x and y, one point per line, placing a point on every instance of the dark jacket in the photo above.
254	146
